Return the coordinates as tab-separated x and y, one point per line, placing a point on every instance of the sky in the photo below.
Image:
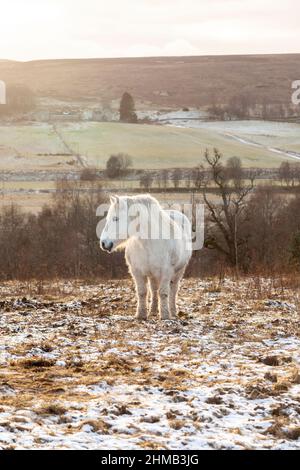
54	29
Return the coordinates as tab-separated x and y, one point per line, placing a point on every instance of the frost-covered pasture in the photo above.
78	371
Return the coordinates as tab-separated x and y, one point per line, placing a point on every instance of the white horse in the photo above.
157	248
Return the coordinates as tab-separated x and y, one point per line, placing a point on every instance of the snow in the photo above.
245	132
112	382
179	118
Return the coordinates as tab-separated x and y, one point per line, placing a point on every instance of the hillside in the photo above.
175	81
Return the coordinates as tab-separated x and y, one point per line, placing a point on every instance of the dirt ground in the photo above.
77	371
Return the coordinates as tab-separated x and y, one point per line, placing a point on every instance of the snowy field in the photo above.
78	372
277	138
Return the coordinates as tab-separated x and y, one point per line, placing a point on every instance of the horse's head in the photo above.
115	231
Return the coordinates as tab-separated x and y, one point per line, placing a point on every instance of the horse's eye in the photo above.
115	219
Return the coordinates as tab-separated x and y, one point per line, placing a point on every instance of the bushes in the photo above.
118	165
59	242
295	248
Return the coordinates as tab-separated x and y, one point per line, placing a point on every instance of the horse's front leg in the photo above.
174	286
163	294
141	290
154	297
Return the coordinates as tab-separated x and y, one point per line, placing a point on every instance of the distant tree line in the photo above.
120	166
289	174
247	105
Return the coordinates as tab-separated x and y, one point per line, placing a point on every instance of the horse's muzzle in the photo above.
107	247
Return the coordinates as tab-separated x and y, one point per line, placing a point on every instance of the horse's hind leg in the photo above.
154	296
141	290
163	294
174	286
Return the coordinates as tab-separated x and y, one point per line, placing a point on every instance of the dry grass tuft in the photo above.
270	361
279	432
279	411
33	363
282	386
176	424
293	433
275	430
215	400
258	391
296	378
121	410
98	426
54	409
271	377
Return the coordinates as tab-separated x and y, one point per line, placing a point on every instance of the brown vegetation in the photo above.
207	80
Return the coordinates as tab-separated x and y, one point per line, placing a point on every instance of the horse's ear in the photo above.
114	199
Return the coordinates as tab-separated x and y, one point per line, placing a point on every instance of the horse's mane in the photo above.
142	199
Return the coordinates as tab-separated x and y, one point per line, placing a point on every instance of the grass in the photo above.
150	146
53	409
34	363
280	135
158	146
30	139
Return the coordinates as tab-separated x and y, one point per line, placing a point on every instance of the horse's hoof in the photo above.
140	318
153	316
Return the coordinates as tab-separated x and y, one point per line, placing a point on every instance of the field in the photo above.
269	135
34	155
78	371
33	147
164	146
39	147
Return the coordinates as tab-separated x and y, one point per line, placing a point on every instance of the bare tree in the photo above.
198	176
165	179
118	165
177	176
226	216
146	181
285	173
296	173
234	169
188	180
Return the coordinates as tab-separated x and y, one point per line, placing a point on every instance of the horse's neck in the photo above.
151	230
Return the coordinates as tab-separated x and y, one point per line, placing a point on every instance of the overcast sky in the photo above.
43	29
